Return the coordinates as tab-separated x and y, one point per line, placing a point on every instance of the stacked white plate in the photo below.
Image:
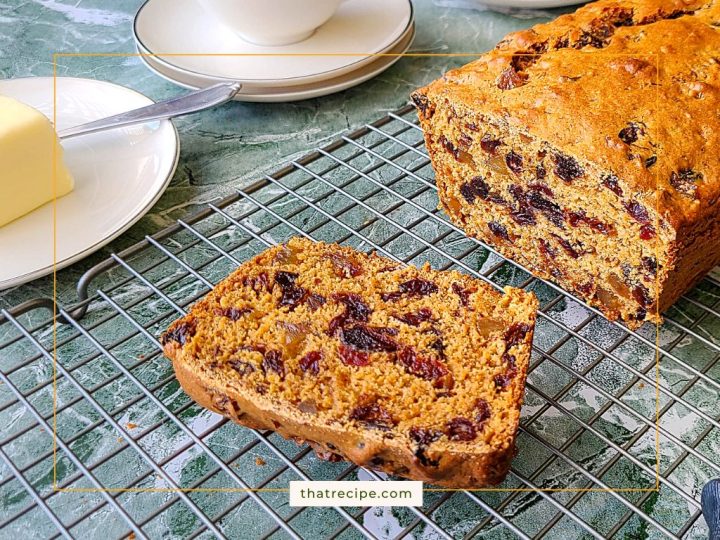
190	48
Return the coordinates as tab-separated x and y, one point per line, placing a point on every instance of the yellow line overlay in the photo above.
125	435
55	310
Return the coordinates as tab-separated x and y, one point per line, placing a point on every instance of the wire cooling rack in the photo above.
136	457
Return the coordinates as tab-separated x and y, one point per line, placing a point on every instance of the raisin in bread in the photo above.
411	371
586	149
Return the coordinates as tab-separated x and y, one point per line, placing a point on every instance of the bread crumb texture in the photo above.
390	366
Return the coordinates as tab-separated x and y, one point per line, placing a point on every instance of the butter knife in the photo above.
189	103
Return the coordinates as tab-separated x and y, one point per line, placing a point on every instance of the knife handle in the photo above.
711	507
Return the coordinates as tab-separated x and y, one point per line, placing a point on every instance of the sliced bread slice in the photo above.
410	371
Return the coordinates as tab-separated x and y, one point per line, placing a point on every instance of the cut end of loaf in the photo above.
573	151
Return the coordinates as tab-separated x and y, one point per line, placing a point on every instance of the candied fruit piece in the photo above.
291	293
439	347
541	173
241	366
412	287
650	265
539	187
272	361
638	212
685	181
547	250
344	267
509	359
315	301
463	294
285	255
502	381
567	246
641	296
488	326
414	318
336	323
285	279
457	153
549	209
424	437
576	218
181	333
499	230
630	133
612	182
355	308
482	414
423	104
291	296
585	288
475	188
295	335
460	429
567	168
353	357
647	232
465	140
369	338
372	415
425	368
232	313
510	79
468	193
488	144
257	283
514	162
311	362
516	334
523	217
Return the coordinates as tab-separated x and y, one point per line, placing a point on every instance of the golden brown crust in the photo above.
487	340
612	87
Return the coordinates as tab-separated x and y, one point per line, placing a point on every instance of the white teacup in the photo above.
272	22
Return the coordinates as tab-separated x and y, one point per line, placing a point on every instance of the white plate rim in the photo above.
292	95
59	265
143	49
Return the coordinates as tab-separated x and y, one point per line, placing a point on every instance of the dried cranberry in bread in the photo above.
411	371
586	149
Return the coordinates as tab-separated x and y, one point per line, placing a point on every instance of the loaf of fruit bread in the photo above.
410	371
586	150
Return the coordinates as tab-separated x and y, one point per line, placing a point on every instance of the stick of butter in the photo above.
27	139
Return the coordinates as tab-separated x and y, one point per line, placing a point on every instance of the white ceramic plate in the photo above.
119	175
171	28
292	93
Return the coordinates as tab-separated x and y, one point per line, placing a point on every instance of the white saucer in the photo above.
296	92
119	175
192	41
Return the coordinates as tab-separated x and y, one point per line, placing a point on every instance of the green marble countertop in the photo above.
232	144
